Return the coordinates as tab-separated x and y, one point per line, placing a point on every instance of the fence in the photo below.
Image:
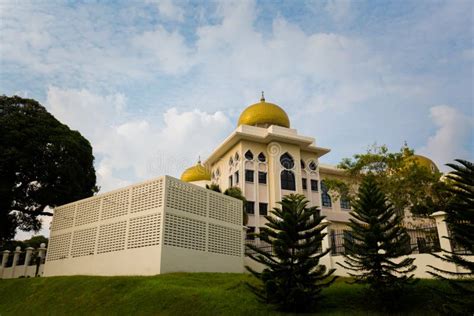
27	263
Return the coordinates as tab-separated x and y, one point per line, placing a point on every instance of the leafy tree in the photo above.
214	187
42	164
34	242
375	244
460	220
407	184
292	278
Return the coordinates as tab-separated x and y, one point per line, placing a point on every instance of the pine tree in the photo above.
376	241
292	278
460	220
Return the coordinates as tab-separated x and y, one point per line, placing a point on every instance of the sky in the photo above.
153	85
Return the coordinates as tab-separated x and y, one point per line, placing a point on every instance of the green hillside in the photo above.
172	294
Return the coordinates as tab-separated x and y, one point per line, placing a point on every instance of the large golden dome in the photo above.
424	162
264	114
196	173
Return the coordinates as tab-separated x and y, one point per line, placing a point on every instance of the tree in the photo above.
42	164
407	184
460	220
375	244
292	278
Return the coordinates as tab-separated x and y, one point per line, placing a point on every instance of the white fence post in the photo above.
6	253
443	231
16	256
29	252
326	244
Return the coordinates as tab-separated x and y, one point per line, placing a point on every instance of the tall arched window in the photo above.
231	161
287	179
237	156
302	164
287	161
261	157
325	197
248	155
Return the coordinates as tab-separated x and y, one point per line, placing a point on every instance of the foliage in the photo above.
42	164
407	184
292	278
376	241
214	187
460	220
33	242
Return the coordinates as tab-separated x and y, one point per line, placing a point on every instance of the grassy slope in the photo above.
171	294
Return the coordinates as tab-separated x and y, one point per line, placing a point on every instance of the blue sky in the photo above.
155	84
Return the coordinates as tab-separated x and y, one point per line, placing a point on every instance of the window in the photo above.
250	207
287	161
230	182
248	155
261	157
263	209
304	182
287	180
302	164
249	175
231	161
314	185
237	157
262	177
236	174
345	203
325	197
250	233
312	165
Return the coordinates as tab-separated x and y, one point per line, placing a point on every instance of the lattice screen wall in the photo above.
140	216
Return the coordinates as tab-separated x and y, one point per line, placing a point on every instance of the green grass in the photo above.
177	294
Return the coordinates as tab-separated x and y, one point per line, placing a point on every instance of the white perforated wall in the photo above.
225	240
147	196
87	211
144	231
58	247
187	198
115	204
112	237
83	242
224	209
63	217
185	232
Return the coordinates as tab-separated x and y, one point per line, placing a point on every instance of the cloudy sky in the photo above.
155	84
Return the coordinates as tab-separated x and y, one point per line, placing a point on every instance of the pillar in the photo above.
16	256
29	252
6	253
326	244
443	232
41	257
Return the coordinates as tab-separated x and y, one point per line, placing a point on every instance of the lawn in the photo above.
177	294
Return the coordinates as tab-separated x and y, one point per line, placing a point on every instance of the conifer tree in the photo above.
292	278
460	220
376	241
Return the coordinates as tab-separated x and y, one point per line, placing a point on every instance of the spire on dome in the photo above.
262	99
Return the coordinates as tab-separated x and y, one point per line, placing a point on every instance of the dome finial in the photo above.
262	99
199	160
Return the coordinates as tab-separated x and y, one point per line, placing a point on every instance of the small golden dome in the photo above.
196	173
424	162
264	113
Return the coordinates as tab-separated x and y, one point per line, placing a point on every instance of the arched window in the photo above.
237	156
312	165
325	197
287	161
302	164
261	157
248	155
231	161
287	178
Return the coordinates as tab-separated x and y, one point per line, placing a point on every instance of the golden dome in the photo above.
424	162
264	113
196	173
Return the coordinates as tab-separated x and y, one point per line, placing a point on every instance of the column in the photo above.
326	244
16	256
443	232
6	253
42	255
29	252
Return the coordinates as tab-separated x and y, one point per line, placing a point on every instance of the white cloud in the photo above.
129	148
169	10
338	9
453	136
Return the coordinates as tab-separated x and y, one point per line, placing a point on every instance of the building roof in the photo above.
264	114
196	173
